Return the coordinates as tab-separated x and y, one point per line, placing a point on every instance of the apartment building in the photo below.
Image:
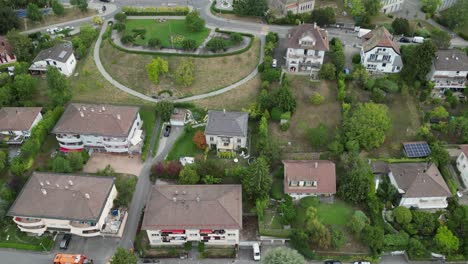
16	123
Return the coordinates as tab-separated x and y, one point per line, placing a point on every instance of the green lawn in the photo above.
20	240
277	191
184	146
337	213
148	115
164	31
271	225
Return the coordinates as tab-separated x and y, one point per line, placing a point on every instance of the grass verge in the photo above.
158	137
148	116
20	240
184	146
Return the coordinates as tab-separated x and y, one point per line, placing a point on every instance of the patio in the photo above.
120	163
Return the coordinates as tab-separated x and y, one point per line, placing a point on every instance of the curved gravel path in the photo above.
97	60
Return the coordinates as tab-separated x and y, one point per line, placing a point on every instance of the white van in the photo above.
418	39
256	251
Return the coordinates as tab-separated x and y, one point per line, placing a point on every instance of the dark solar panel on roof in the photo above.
416	149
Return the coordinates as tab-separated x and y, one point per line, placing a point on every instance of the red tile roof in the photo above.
464	149
379	37
321	171
312	30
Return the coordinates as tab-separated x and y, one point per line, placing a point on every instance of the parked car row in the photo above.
409	40
57	30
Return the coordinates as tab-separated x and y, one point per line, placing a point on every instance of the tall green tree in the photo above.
123	256
88	34
251	7
368	124
22	45
417	60
440	38
402	215
456	15
284	99
323	16
458	126
401	26
283	255
57	8
357	180
24	88
165	108
155	68
189	175
372	7
8	20
357	7
33	12
446	241
430	6
184	72
257	182
374	237
194	22
58	87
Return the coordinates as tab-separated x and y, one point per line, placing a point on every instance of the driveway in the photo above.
120	163
97	248
165	143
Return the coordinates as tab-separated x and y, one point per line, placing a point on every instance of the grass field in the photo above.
164	30
51	19
20	240
148	116
308	115
277	189
209	73
184	146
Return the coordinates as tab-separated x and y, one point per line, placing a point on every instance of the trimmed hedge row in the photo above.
156	11
252	38
216	10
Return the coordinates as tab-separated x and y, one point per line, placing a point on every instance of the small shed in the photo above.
178	117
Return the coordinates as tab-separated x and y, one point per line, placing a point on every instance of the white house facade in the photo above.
16	123
379	53
226	131
102	128
306	49
59	56
462	164
449	70
79	205
421	185
176	214
391	6
293	6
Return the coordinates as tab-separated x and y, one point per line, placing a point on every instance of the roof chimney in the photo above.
44	192
87	196
92	109
84	107
118	116
103	108
70	182
316	164
81	114
174	199
176	192
47	182
198	199
224	111
57	185
41	183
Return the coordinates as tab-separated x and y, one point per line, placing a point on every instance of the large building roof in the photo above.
18	118
451	60
194	207
223	123
60	52
97	119
313	31
321	171
419	179
63	196
379	37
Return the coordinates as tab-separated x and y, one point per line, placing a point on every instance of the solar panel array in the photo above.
417	149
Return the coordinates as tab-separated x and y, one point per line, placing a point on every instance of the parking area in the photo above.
280	52
129	164
91	247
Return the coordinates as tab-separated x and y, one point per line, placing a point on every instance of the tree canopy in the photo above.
164	109
401	26
57	7
357	181
194	22
417	60
430	6
8	20
257	182
58	87
283	255
440	38
250	7
33	12
446	241
155	68
123	256
368	124
323	16
184	72
22	45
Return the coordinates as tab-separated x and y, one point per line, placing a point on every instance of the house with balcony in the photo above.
379	53
391	6
446	4
69	203
176	214
226	131
59	56
307	44
100	127
16	123
304	178
294	6
449	70
420	185
462	163
6	51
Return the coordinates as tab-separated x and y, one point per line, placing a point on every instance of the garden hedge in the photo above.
156	11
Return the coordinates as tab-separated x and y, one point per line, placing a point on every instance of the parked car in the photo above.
65	241
69	28
274	63
167	131
361	262
256	251
332	262
418	39
107	1
404	40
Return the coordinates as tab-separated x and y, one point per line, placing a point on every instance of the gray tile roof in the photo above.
451	60
63	196
60	52
419	179
194	206
97	119
18	118
223	123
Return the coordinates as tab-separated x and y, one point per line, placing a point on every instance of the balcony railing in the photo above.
80	224
26	220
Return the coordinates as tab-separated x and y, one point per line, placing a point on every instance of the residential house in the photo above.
449	70
446	4
59	56
307	44
226	131
69	203
176	214
391	6
304	178
421	185
293	6
379	53
6	51
99	127
16	123
462	164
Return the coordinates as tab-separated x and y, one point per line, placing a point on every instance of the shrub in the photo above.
97	20
189	44
126	39
328	71
121	17
119	27
356	58
199	139
166	170
276	114
402	215
154	42
317	99
216	44
226	155
284	126
236	38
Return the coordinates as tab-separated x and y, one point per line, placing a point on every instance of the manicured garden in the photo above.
184	146
164	31
12	237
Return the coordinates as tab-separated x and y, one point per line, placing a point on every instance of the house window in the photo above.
231	235
211	139
384	49
55	63
48	62
384	64
155	235
386	57
239	140
60	69
305	52
317	53
373	57
193	235
293	183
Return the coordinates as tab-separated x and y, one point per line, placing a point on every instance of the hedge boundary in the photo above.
159	53
153	11
217	10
